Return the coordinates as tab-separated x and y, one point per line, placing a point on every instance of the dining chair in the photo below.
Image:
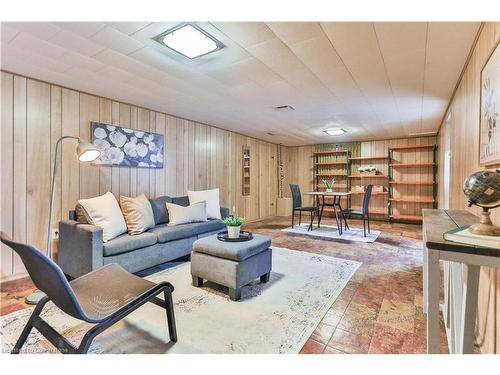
102	297
297	206
364	212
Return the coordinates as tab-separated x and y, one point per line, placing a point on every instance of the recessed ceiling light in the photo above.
335	131
189	40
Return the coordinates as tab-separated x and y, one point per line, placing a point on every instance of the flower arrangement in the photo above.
233	225
329	185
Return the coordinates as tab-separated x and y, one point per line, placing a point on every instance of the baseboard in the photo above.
14	277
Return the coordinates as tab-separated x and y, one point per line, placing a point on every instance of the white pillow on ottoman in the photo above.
209	196
104	212
194	213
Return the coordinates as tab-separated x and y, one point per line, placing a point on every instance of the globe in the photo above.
483	188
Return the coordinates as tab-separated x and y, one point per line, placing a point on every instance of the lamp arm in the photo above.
52	186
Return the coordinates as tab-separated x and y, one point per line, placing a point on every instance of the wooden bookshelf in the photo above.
376	211
412	177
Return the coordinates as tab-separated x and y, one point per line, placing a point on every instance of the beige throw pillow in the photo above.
138	214
104	212
191	214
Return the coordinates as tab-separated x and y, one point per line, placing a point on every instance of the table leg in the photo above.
339	228
433	286
343	216
321	210
469	309
424	281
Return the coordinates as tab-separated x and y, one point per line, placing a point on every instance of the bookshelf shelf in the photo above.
406	217
412	165
331	152
361	158
332	163
395	182
412	200
414	147
368	176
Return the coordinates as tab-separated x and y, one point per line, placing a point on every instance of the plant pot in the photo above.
233	232
329	190
370	173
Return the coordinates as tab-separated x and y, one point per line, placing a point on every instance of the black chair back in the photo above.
366	199
296	196
47	277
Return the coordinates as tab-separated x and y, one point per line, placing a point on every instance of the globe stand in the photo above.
485	227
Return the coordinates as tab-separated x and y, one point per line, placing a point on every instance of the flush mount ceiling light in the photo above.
335	131
189	40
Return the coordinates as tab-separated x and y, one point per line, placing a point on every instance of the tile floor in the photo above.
379	311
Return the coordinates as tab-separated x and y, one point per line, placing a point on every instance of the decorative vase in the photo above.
329	190
233	232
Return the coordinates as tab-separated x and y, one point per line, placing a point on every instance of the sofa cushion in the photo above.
209	196
159	207
181	201
138	214
126	242
168	233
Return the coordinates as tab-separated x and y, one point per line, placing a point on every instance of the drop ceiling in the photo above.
376	80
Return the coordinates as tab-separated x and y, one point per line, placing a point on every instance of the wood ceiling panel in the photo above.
116	40
372	79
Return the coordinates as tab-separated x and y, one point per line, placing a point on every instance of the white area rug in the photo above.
276	317
331	232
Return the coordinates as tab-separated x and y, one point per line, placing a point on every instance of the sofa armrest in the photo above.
80	248
224	212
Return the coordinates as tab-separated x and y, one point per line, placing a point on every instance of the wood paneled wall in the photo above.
298	168
35	114
461	132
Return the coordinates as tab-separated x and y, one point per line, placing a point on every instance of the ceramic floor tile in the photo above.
312	347
349	342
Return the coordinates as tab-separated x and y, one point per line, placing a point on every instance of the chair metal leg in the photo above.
300	218
29	326
310	227
368	218
169	307
364	226
293	217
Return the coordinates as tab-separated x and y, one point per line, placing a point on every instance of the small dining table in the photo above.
337	196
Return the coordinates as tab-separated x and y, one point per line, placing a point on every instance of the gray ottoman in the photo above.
232	264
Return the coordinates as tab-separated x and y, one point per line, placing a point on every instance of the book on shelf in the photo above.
463	235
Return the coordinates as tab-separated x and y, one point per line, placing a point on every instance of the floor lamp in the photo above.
86	152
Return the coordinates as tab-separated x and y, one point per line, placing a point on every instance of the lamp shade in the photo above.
86	151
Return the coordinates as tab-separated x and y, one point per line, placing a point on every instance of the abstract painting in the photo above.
127	147
489	136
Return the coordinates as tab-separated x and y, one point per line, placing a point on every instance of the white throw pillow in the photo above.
104	212
209	196
182	215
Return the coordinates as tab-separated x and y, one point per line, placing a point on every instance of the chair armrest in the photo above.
80	248
224	212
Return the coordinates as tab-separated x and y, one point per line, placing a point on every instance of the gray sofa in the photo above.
81	249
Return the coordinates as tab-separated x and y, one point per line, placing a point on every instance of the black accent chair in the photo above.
364	212
297	206
102	297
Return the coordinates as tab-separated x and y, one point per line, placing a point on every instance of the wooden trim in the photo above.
412	165
413	147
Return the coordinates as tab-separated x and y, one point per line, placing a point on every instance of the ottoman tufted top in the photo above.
236	251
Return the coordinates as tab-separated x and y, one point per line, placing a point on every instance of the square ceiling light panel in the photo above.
189	40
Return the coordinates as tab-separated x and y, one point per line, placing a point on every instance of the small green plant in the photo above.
234	221
369	168
329	183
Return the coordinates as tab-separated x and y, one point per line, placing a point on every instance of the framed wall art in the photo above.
489	135
127	147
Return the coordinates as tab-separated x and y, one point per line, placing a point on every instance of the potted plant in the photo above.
233	225
370	169
329	185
